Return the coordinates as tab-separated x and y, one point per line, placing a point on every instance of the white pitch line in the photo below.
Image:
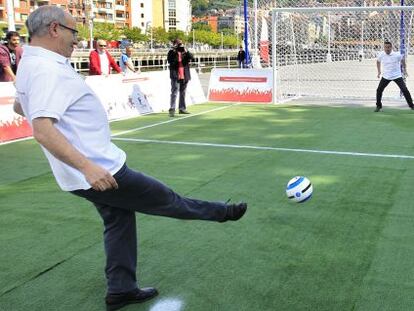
172	120
358	154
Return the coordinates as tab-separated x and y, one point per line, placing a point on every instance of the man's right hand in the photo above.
99	178
379	75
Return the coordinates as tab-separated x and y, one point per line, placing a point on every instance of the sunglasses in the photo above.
74	31
102	45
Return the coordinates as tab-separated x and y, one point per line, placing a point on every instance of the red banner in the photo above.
241	85
17	128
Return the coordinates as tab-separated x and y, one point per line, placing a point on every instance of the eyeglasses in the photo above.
74	31
102	45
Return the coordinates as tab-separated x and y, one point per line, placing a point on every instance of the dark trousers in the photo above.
138	193
401	84
181	86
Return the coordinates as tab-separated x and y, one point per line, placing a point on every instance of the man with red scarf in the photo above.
179	58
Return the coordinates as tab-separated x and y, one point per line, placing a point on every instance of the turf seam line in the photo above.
331	152
224	172
172	120
47	270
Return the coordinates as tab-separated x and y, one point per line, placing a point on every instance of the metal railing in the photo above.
149	60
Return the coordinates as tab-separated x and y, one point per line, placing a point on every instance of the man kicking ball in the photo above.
71	125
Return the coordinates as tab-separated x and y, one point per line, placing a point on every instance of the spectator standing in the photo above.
10	54
125	62
241	57
179	59
100	61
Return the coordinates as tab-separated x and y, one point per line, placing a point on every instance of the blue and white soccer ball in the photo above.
299	189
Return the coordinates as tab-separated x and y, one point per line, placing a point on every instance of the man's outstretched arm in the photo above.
52	139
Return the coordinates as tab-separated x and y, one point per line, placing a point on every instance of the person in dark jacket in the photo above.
241	57
179	58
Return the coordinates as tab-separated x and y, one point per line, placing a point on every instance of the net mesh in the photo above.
330	54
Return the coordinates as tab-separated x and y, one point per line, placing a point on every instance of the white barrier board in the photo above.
122	97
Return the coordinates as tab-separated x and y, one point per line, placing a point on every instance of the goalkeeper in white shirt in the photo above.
393	68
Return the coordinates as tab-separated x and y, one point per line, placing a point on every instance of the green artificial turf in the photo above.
349	248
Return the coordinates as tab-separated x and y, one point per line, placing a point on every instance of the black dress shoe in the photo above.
377	109
171	112
117	301
235	211
183	112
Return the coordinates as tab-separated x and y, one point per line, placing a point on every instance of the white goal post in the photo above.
330	52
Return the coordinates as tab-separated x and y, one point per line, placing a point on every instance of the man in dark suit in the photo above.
241	57
179	58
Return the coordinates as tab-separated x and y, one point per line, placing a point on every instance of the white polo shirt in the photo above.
104	61
47	86
391	65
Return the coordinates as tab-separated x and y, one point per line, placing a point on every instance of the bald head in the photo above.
101	42
100	46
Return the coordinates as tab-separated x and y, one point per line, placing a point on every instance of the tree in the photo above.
199	7
174	34
134	34
160	35
83	32
106	31
201	26
227	31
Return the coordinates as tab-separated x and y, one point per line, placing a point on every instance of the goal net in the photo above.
330	52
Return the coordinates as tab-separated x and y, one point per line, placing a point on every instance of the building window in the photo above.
142	24
142	15
142	5
171	4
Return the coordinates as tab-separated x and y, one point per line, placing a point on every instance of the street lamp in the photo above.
222	45
329	56
147	26
362	40
91	18
193	40
10	16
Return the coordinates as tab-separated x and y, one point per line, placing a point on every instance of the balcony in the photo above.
104	19
106	10
119	7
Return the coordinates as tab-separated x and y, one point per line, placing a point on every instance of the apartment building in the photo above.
144	14
141	14
172	14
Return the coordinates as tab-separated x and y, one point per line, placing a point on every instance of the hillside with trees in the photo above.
202	7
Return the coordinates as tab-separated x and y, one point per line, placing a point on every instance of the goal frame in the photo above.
276	12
